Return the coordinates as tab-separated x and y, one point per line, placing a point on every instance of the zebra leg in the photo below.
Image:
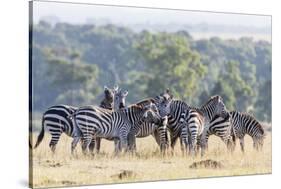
92	145
161	138
257	143
54	140
117	146
183	134
198	145
233	142
86	140
74	144
193	136
124	144
131	142
229	144
204	142
242	144
181	144
173	142
98	142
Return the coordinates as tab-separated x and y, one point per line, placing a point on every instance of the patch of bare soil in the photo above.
124	174
206	164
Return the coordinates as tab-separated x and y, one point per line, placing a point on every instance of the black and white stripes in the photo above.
243	124
151	116
97	122
56	120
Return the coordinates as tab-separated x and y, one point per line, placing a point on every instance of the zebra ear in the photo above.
219	98
167	90
105	88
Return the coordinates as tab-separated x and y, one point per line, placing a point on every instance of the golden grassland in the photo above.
61	168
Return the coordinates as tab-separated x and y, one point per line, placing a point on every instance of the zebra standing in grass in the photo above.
94	121
56	121
119	102
192	124
157	130
243	124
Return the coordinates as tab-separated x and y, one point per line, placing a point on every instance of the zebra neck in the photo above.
106	104
177	107
208	112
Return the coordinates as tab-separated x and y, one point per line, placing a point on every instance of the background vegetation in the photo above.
72	63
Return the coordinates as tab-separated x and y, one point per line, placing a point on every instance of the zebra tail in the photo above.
41	135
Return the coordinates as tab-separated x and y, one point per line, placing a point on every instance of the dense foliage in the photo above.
72	63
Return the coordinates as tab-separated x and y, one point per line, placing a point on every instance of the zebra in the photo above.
56	121
176	109
198	120
119	102
243	124
192	124
157	130
94	121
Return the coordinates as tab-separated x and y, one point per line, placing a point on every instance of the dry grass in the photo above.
63	169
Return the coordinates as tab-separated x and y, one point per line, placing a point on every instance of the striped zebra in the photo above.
56	121
176	109
119	102
157	130
173	110
219	126
192	124
243	124
198	120
94	121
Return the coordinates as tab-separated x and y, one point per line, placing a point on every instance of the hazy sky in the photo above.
79	13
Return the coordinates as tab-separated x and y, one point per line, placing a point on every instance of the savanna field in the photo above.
73	63
64	169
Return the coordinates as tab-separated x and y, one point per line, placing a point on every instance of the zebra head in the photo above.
151	114
163	103
109	94
119	99
215	106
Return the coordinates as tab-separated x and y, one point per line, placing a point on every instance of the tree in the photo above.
233	88
169	62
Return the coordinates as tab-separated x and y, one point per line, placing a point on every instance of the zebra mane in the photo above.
186	106
134	106
216	97
145	102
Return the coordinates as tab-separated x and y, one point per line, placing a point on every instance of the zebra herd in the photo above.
115	121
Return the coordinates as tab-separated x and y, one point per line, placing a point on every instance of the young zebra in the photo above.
98	122
243	124
56	121
119	102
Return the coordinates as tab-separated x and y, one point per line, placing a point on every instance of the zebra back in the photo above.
245	123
